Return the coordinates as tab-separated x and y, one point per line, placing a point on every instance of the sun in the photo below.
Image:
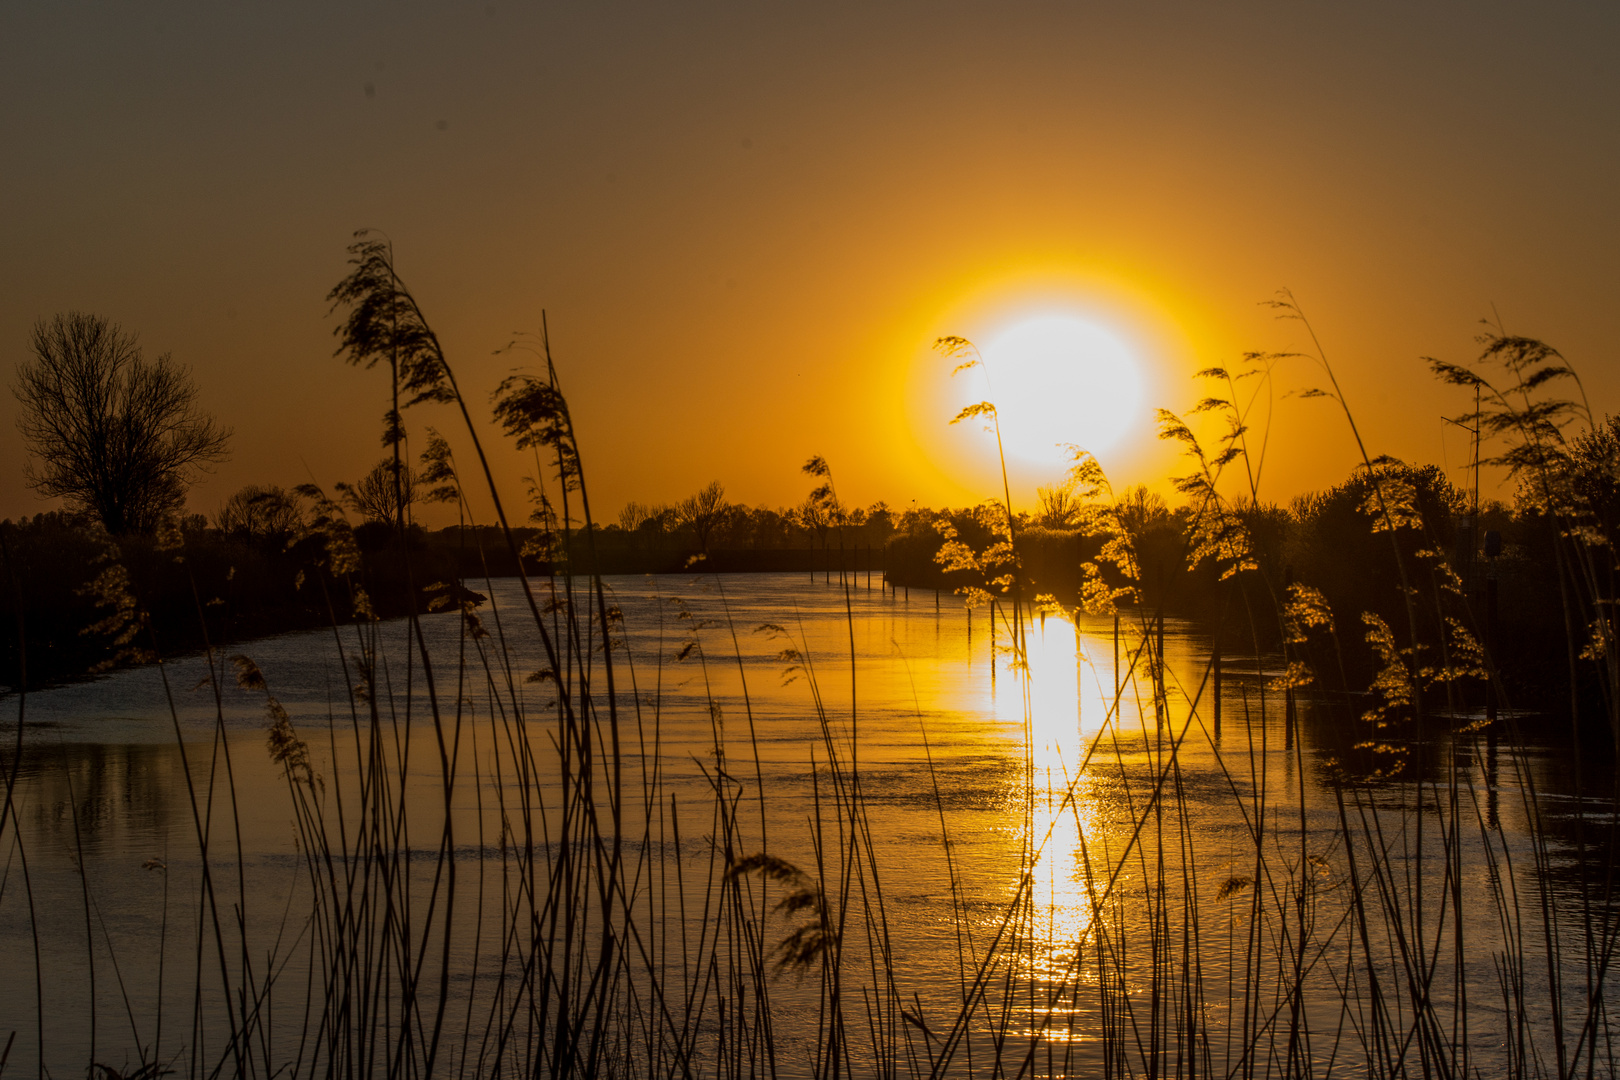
1060	378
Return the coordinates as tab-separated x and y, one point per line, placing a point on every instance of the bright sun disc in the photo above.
1059	379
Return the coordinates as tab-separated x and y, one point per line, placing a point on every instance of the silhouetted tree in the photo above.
1155	535
879	524
112	433
378	498
818	514
1592	472
763	527
635	515
1059	509
260	512
703	512
1343	546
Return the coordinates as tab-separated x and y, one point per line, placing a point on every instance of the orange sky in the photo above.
747	222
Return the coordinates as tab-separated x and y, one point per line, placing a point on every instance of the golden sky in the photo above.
747	222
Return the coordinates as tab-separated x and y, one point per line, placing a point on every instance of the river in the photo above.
1036	875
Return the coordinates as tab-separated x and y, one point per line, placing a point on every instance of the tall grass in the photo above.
498	874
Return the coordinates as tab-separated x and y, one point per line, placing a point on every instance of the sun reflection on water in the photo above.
1062	698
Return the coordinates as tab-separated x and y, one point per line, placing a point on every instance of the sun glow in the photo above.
1058	378
1071	357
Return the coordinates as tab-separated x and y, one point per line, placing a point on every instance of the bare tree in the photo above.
703	512
1059	509
818	513
112	433
377	498
260	512
635	515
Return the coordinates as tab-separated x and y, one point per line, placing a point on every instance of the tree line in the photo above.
119	438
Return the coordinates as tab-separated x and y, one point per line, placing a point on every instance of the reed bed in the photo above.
507	864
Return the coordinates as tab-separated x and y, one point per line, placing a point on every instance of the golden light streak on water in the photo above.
1062	698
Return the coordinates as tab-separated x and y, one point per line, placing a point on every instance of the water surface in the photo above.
1139	875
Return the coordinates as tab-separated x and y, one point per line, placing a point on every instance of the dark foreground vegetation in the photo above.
1336	938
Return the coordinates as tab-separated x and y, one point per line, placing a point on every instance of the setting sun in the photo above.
1058	378
911	540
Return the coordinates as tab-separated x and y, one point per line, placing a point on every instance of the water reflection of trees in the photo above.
110	794
1525	780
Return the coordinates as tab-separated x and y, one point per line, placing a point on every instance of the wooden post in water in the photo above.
1490	646
1215	685
1079	681
992	642
1288	689
1493	820
1116	658
1158	666
868	567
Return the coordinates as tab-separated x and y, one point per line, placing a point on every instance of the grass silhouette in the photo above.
572	923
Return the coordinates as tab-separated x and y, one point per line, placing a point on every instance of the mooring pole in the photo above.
1158	666
1116	659
1288	689
1493	819
1079	681
992	642
1215	685
1490	643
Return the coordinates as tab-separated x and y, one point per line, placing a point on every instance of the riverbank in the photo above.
81	603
